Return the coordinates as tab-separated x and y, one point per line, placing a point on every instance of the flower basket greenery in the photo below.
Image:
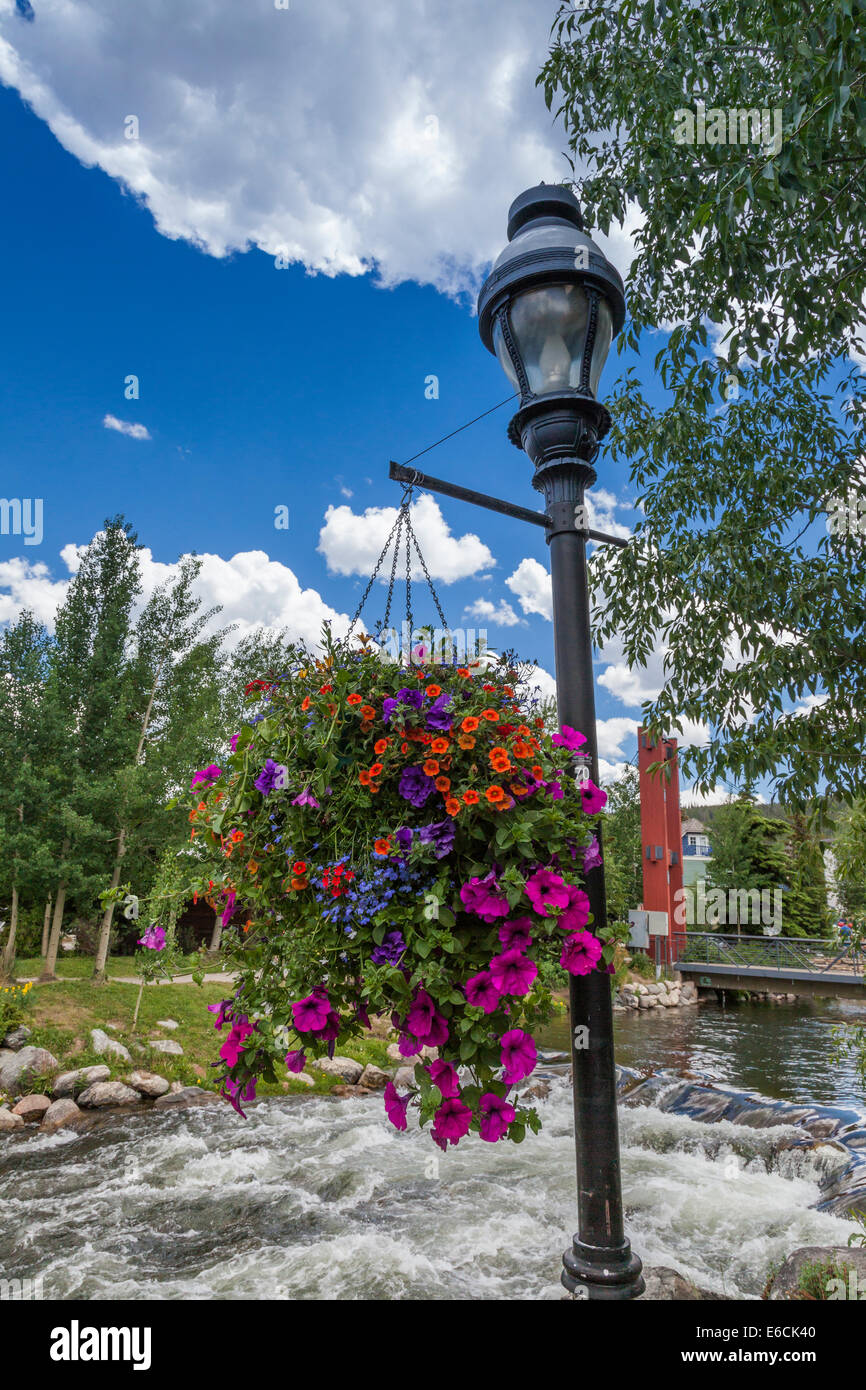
407	841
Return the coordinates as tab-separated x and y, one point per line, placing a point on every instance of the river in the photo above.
317	1198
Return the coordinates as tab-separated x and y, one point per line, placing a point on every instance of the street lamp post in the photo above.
549	310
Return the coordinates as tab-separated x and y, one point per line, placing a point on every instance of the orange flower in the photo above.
439	745
374	787
508	690
537	772
499	753
253	867
452	805
539	723
299	867
375	769
404	747
488	687
364	778
325	689
368	712
443	784
521	749
431	767
501	764
332	709
470	797
433	691
381	745
489	714
305	703
494	794
466	741
353	699
299	883
237	836
463	671
524	731
470	724
382	846
366	725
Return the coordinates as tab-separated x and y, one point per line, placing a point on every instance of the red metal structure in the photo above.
661	837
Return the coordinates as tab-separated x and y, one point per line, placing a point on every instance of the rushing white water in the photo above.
314	1198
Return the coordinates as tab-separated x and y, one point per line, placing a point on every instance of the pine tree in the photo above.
806	911
623	864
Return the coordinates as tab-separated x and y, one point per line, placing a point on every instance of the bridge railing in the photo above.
814	954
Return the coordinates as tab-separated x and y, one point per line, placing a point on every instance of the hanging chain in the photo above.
395	537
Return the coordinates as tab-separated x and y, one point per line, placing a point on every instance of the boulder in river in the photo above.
374	1077
105	1093
8	1121
668	1285
23	1066
187	1095
839	1271
32	1109
345	1067
60	1112
148	1083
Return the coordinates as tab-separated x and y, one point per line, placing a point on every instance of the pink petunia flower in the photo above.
396	1106
517	933
513	972
481	992
497	1116
581	953
594	799
234	1044
483	897
518	1054
443	1075
311	1014
452	1121
576	915
569	738
546	889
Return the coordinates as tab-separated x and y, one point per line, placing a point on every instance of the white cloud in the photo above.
352	543
111	422
531	583
254	591
391	135
501	613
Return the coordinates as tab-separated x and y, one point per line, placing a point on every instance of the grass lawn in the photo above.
73	967
61	1016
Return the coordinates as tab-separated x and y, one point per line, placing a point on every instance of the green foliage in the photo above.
15	1002
754	254
643	966
748	854
623	861
806	911
849	851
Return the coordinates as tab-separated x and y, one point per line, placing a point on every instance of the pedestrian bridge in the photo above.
791	965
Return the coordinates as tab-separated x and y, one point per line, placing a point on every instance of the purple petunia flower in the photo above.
437	716
483	897
234	1044
581	953
390	951
407	1046
296	1061
594	799
546	889
569	738
230	898
440	835
592	856
154	938
311	1014
236	1093
208	775
413	698
452	1121
516	933
415	786
305	798
403	836
223	1010
576	915
273	777
233	741
396	1106
513	972
443	1075
481	992
497	1116
519	1055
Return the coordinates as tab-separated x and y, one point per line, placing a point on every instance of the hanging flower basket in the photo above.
407	842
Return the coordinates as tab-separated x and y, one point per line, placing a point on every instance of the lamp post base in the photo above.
609	1273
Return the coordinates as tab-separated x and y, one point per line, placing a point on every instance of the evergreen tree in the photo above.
749	856
806	911
623	863
849	853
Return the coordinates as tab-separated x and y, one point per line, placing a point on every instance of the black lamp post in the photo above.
549	310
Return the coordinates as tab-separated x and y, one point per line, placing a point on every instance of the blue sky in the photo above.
260	387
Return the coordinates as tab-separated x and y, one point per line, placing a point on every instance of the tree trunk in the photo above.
8	963
99	964
46	926
216	935
49	968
